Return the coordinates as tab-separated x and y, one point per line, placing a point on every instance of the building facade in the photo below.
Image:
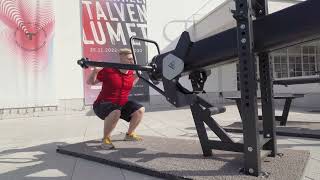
299	61
167	19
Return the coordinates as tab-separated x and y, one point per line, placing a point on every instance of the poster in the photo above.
26	36
107	26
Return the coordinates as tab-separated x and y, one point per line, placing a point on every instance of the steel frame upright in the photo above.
244	13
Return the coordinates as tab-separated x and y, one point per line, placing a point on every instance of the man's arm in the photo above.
92	79
136	78
135	81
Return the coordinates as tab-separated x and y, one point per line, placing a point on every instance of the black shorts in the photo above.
103	109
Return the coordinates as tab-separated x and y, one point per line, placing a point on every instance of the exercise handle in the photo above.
85	63
82	63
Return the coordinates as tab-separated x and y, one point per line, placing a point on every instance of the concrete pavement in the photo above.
28	143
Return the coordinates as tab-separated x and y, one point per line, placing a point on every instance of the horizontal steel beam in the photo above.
296	24
306	80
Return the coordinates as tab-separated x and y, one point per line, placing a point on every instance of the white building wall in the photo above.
163	24
222	16
223	78
67	49
311	91
166	20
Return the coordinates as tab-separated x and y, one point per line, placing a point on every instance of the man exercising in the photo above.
112	103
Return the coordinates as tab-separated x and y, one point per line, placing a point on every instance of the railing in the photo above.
192	20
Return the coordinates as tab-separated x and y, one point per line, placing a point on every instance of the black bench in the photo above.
285	112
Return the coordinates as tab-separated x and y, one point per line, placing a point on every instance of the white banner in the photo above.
26	36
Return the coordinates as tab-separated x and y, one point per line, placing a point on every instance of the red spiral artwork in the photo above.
27	30
26	51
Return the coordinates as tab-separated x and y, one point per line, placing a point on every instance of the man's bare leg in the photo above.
136	118
110	123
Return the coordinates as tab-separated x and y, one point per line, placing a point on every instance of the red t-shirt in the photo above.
116	86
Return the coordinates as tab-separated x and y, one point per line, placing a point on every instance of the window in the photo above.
309	60
295	65
299	60
280	64
295	61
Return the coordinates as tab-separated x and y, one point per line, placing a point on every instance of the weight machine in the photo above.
255	35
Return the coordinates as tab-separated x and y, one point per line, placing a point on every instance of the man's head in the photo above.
126	56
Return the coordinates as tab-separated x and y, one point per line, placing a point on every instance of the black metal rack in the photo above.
253	36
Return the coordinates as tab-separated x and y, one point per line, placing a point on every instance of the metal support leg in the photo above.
248	83
201	130
268	114
285	112
238	102
202	115
277	118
